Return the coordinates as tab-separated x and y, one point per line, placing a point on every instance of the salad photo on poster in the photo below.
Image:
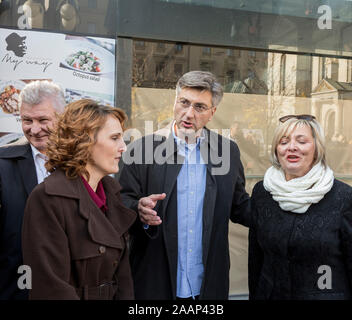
89	56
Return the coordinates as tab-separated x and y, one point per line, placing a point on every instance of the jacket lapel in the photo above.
103	229
27	169
119	216
100	228
172	169
209	197
208	211
168	212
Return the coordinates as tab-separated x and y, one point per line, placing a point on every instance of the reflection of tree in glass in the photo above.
254	161
156	65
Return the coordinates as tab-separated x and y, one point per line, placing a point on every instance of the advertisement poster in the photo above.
83	66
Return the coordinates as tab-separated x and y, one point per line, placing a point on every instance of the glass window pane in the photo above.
309	26
74	16
259	88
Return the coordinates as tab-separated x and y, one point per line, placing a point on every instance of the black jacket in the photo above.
286	249
17	180
154	252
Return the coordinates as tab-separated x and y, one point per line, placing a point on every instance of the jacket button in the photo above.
102	249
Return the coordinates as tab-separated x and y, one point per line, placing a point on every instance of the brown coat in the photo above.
75	251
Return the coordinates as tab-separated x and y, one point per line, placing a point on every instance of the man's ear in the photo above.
174	104
212	113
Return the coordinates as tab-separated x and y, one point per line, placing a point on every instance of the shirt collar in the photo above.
36	153
183	143
99	196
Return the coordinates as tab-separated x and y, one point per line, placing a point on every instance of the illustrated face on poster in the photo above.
16	44
83	66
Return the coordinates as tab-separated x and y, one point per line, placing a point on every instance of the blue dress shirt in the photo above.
191	183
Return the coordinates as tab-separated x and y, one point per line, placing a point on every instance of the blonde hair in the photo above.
286	128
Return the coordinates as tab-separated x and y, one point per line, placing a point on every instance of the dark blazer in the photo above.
76	251
154	251
17	180
286	249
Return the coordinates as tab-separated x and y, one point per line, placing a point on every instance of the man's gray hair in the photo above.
37	91
201	80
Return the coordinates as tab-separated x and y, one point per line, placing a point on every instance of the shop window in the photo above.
257	93
230	53
178	69
251	74
252	54
92	4
206	51
159	69
230	76
141	67
140	45
160	47
205	66
178	48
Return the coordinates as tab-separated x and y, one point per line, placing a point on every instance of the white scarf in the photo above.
296	195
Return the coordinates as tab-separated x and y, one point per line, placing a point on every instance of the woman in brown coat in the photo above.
75	228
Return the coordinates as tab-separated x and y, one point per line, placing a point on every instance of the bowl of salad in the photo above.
87	57
84	60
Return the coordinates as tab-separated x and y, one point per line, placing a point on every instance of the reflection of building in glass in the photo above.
89	16
159	65
265	86
327	83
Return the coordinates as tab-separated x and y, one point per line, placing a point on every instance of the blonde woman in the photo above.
301	230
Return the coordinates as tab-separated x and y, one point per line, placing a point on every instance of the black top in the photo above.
301	256
17	179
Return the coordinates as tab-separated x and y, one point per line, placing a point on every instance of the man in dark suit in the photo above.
21	169
185	183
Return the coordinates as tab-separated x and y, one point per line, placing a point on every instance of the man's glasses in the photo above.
307	117
198	107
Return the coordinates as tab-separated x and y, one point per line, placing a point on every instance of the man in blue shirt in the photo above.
185	183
